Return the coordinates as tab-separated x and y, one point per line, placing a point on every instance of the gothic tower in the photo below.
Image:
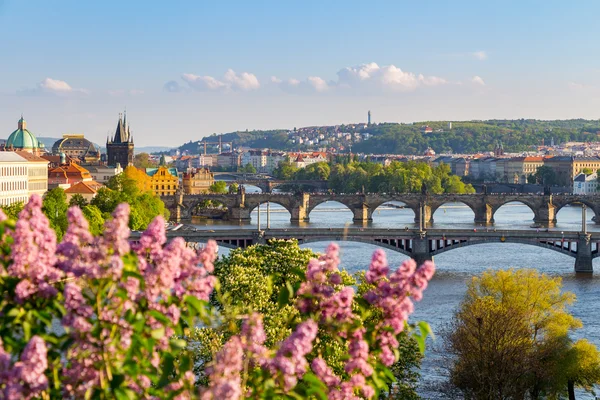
119	149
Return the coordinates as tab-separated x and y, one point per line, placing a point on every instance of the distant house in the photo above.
585	184
426	129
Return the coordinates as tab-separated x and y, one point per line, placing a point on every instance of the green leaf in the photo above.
284	297
178	344
167	369
158	333
26	330
160	317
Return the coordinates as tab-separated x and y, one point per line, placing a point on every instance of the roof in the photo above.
71	142
31	157
153	171
10	156
72	169
81	188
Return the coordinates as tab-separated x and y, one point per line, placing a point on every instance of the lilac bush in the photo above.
101	317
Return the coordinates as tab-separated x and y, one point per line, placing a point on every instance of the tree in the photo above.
77	200
234	187
218	187
142	160
545	175
531	179
510	339
12	210
55	207
94	217
285	170
587	171
248	169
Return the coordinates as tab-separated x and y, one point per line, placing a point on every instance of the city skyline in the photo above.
194	69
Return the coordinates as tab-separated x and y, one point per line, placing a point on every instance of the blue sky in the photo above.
186	69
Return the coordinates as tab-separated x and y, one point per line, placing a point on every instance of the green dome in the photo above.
22	138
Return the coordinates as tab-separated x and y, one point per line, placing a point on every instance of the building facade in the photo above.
13	178
119	148
37	173
585	184
78	148
197	181
65	176
164	181
103	173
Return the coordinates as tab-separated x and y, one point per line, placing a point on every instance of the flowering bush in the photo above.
100	317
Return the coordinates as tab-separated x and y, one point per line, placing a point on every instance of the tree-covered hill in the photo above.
393	138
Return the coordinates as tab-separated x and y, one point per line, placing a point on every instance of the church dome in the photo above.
22	138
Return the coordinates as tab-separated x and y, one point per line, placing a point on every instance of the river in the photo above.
455	268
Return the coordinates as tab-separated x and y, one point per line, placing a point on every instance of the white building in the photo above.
585	184
102	173
14	174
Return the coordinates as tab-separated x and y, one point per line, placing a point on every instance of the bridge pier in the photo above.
238	214
583	261
484	215
420	251
427	214
362	214
546	215
299	209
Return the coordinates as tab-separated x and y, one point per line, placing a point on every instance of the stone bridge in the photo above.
484	206
267	185
420	245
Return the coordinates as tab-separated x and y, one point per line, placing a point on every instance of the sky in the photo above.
187	69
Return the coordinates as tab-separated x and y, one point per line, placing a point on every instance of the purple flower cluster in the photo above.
391	295
225	379
289	363
33	253
318	295
26	378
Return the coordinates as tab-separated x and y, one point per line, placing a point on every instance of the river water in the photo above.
455	268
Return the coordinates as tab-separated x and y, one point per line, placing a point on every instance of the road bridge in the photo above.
419	245
484	206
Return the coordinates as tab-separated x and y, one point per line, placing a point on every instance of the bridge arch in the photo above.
391	213
442	210
254	206
531	207
342	216
562	250
356	240
591	206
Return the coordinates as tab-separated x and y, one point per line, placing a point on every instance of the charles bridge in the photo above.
267	183
240	205
420	245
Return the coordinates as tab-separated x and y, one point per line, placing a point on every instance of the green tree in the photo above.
510	339
545	175
234	187
55	206
77	200
142	160
249	169
94	217
285	170
219	187
12	210
587	171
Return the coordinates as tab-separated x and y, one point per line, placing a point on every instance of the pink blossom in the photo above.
225	381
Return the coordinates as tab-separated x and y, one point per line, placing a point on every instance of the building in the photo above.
163	181
103	173
256	158
229	160
13	178
587	163
563	169
23	139
78	148
85	189
119	149
197	181
65	176
37	173
369	118
585	184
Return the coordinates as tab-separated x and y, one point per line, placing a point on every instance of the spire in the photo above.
120	134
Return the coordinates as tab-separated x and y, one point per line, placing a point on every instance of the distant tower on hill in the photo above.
369	118
119	149
499	149
450	125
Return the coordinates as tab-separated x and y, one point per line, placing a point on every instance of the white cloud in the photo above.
477	80
317	83
387	78
244	81
50	86
55	85
480	55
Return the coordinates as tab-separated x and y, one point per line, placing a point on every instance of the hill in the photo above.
394	138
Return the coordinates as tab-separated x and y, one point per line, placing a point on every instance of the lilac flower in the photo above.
253	338
33	253
225	380
325	373
74	252
25	379
290	361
